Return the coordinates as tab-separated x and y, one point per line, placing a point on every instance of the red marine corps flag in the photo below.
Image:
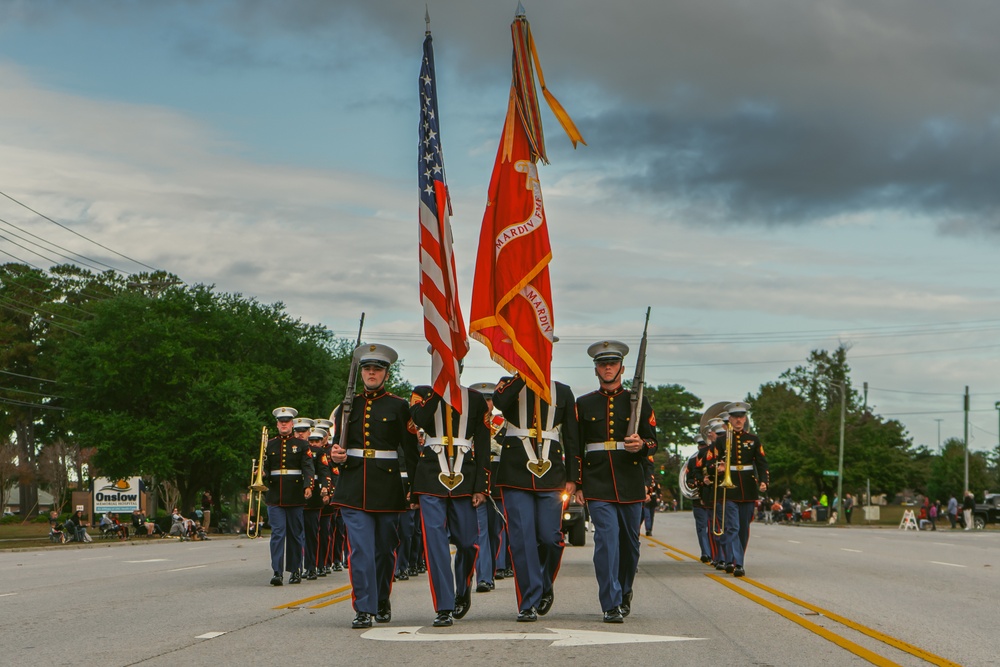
511	296
444	326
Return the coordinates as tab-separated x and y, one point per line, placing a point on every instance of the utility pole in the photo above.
840	454
966	439
939	433
997	406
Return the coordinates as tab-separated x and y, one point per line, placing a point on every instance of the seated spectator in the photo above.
77	527
179	526
138	524
56	532
118	527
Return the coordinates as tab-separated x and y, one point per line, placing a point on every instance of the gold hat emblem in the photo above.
371	348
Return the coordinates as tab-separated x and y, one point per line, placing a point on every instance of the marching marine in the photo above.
749	472
450	483
370	491
540	459
287	466
321	484
614	479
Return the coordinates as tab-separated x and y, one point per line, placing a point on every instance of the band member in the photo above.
327	511
287	465
318	449
749	472
614	479
301	427
450	483
702	505
539	460
370	491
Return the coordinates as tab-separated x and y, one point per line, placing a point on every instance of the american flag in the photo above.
443	323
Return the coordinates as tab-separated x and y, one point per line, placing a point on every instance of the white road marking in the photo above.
943	544
151	560
210	635
96	558
559	636
181	569
794	541
937	562
4	595
857	551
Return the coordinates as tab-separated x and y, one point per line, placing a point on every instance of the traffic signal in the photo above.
663	470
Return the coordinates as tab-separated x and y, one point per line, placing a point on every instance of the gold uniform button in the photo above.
367	425
612	422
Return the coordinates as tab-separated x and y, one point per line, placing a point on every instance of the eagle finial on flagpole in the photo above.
520	13
427	18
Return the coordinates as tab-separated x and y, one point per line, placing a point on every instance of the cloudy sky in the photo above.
771	177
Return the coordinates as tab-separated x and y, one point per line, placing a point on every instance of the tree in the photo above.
947	472
798	420
176	384
677	412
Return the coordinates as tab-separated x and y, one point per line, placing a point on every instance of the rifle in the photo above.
352	380
638	381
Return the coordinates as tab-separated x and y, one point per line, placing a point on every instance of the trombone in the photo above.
257	488
727	483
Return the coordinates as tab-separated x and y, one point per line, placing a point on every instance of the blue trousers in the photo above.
286	538
744	514
616	549
730	539
310	520
701	519
647	517
484	558
372	540
498	536
534	533
405	541
445	518
325	540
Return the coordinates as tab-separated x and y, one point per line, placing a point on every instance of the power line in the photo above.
30	405
25	391
33	314
86	260
28	377
59	224
39	308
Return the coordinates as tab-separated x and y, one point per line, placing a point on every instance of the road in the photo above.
813	596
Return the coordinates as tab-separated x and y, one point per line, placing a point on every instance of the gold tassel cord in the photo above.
557	109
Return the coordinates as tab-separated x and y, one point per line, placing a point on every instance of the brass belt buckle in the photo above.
610	445
446	441
532	432
369	453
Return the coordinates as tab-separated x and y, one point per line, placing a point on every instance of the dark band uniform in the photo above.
445	500
748	470
321	484
702	505
287	467
614	481
532	502
370	491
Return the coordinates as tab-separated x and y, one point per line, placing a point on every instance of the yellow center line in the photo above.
874	634
330	602
672	548
845	644
299	603
674	556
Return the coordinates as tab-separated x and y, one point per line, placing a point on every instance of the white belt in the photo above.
496	458
607	446
373	453
436	442
532	433
402	473
285	471
741	467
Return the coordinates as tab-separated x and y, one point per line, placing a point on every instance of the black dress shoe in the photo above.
362	620
311	575
613	616
337	567
462	604
529	615
729	568
705	559
484	587
443	620
322	572
296	578
738	571
509	573
277	579
546	603
402	576
384	613
412	571
720	566
499	574
626	606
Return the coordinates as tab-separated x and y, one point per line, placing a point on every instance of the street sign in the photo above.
829	473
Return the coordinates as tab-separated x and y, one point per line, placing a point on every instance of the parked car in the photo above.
574	521
986	512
